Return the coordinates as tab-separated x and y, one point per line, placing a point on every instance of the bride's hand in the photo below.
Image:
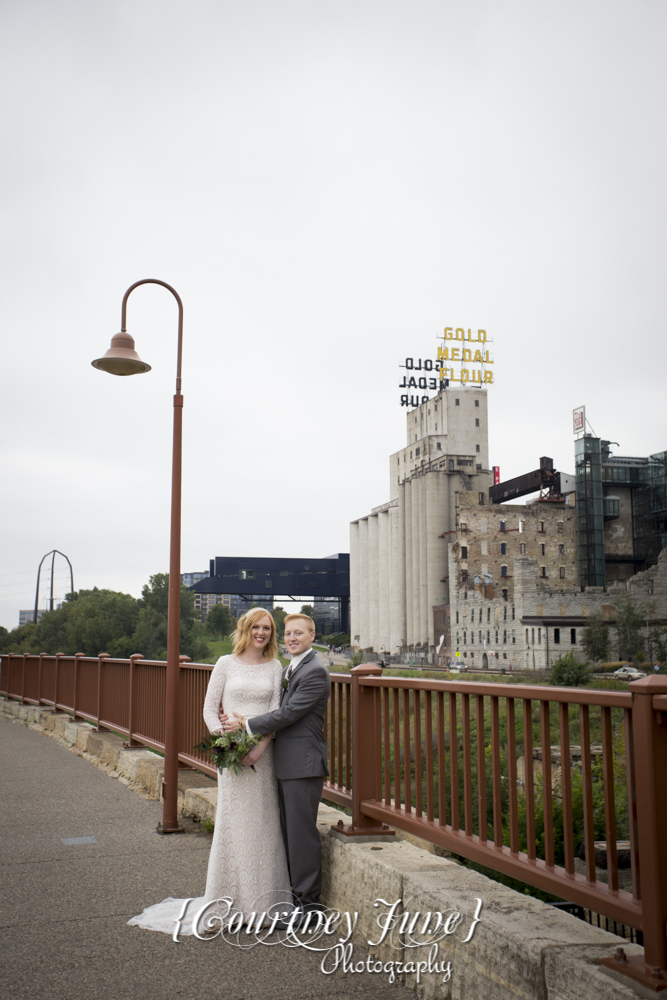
252	756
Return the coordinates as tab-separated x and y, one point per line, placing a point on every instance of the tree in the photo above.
630	617
219	620
307	609
568	671
279	615
595	638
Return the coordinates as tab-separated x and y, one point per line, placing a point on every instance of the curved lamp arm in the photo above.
123	318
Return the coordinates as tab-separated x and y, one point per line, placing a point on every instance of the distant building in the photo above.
29	616
621	511
189	579
306	580
398	552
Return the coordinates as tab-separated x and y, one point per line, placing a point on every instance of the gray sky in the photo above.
327	185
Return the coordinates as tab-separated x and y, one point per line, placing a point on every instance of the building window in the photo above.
557	636
476	421
561	550
503	525
476	447
562	572
503	570
457	402
438	445
268	583
463	526
522	548
512	614
480	638
504	593
505	636
465	638
488	614
540	526
476	402
513	637
505	614
526	636
520	527
560	527
464	552
464	576
410	454
543	572
532	635
573	637
503	548
543	550
496	637
451	465
539	637
457	620
246	574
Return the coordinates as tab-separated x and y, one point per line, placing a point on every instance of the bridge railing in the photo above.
560	788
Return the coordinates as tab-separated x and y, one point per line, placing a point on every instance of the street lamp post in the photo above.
122	359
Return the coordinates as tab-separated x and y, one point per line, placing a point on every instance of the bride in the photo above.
247	863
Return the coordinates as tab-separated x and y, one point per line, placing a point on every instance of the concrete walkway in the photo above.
65	907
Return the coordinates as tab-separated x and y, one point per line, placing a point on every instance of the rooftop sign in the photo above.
464	348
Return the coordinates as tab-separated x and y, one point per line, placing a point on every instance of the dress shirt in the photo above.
293	664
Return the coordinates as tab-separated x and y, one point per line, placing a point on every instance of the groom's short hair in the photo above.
308	620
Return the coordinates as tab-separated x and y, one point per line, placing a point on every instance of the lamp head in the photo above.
121	358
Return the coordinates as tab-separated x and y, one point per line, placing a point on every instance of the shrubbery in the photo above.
568	671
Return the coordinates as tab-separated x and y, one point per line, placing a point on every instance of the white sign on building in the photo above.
579	420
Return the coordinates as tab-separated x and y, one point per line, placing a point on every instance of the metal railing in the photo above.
523	779
126	696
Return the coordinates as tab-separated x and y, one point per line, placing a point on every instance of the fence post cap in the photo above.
137	656
185	659
652	684
367	669
100	655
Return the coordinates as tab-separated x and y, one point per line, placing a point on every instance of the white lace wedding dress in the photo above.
247	861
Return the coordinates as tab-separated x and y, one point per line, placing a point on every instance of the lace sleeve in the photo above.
214	691
275	694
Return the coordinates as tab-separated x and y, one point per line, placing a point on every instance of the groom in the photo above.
299	756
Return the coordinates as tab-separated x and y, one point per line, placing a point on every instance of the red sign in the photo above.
496	475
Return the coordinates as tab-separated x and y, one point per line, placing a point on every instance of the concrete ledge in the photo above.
522	949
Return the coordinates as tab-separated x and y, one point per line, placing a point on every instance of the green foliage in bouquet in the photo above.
229	749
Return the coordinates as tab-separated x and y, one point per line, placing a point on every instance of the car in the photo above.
627	674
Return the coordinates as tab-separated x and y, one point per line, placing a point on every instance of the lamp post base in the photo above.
162	829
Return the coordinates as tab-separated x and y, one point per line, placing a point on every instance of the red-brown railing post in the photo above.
55	690
366	774
77	657
133	704
39	680
100	663
23	680
649	730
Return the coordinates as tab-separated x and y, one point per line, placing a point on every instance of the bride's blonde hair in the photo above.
243	634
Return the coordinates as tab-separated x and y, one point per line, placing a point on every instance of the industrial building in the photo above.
448	570
398	552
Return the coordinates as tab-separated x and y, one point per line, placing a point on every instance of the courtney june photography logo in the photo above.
328	932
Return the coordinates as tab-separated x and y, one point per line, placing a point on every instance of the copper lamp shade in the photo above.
121	358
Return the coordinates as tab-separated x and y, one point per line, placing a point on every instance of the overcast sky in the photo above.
327	185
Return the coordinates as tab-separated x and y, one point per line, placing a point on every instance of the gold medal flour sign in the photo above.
464	357
468	351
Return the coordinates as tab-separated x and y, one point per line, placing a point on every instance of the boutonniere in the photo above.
284	684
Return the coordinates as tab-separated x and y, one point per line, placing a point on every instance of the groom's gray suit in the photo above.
300	763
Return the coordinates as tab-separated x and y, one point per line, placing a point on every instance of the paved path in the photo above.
65	907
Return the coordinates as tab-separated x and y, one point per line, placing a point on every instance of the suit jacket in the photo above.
300	749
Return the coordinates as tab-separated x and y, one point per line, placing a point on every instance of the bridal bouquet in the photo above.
229	749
